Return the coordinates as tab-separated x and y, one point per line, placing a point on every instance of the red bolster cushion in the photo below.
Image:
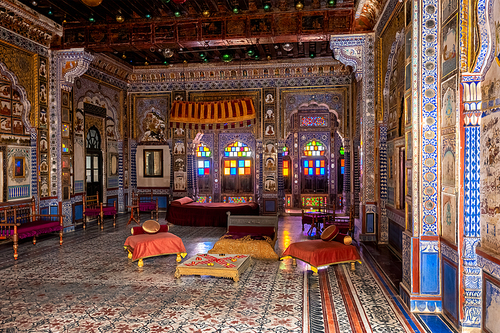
343	238
139	230
330	233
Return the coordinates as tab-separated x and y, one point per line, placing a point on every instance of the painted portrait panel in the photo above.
448	7
449	102
449	218
79	122
491	305
269	130
4	90
5	107
17	109
179	181
449	47
448	161
5	124
270	163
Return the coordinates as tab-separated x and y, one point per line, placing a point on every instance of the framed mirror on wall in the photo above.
153	163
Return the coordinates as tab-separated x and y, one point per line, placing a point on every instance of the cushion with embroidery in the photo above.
329	233
151	226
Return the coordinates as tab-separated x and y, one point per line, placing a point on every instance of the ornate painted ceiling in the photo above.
139	32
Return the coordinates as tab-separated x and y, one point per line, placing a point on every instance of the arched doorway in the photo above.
93	162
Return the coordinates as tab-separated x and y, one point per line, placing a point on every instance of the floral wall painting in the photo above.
449	47
448	161
449	102
153	127
490	187
269	114
449	218
269	98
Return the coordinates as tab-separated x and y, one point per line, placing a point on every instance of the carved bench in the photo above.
20	220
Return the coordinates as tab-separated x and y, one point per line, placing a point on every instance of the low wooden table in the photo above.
132	217
229	266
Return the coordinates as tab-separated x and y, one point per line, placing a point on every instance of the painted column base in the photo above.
425	306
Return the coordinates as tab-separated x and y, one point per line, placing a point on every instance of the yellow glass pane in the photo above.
285	172
226	171
247	163
241	171
233	163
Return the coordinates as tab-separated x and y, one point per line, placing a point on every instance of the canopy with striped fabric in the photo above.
212	115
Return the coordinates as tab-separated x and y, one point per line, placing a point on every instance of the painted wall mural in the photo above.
449	48
448	160
490	185
449	102
449	218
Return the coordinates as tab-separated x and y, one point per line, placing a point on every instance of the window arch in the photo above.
93	139
237	175
314	167
203	167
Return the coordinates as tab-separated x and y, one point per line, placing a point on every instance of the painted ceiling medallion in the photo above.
92	3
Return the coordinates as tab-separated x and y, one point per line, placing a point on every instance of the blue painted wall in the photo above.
78	212
429	273
450	290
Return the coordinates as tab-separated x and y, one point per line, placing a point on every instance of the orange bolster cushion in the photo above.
330	233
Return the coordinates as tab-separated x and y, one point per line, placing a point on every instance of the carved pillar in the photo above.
346	190
281	185
121	206
190	168
259	173
357	51
65	67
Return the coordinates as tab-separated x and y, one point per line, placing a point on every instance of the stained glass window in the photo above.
237	167
342	165
341	151
286	168
203	151
285	151
237	149
314	148
314	167
313	121
203	167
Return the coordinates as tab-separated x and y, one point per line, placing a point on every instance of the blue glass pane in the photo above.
200	172
305	164
226	154
311	171
233	171
317	163
241	163
207	164
341	170
322	171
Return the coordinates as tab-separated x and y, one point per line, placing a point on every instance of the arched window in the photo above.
203	167
314	168
93	139
237	169
287	171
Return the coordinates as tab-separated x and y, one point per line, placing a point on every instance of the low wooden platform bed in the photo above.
252	235
185	211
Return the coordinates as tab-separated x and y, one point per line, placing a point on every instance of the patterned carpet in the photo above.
89	285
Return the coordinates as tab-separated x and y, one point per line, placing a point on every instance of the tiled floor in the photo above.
89	285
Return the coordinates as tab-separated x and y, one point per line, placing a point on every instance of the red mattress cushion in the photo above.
319	253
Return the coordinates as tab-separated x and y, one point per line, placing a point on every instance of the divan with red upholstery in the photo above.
20	220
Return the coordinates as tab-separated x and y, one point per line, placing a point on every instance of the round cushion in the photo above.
151	226
329	233
342	238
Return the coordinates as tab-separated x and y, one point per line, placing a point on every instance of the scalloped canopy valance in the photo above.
213	115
